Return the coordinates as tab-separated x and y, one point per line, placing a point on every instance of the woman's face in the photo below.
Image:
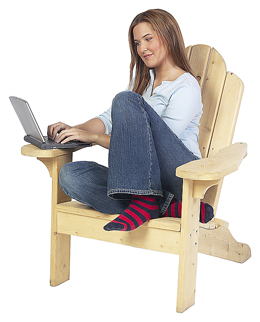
149	48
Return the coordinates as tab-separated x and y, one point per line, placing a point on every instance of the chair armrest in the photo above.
32	151
226	161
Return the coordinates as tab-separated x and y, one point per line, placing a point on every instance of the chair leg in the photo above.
60	258
188	248
60	243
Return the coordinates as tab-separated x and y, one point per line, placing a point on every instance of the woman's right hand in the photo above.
55	128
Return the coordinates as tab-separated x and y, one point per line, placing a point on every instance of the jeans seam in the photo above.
166	203
135	191
149	136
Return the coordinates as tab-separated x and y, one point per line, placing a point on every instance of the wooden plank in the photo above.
167	223
146	237
32	151
77	208
225	126
220	243
188	248
60	244
199	58
227	113
211	95
226	161
188	51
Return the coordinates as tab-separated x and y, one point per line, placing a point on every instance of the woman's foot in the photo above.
140	210
174	210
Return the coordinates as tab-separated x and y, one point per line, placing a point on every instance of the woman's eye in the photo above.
137	43
148	39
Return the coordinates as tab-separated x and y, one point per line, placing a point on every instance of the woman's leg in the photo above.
144	153
143	156
175	207
133	164
87	183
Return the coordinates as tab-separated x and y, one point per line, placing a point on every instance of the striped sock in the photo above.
174	210
140	210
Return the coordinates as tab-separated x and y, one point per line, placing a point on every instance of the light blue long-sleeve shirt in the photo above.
179	105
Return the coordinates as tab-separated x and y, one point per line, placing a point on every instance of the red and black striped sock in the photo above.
174	210
140	210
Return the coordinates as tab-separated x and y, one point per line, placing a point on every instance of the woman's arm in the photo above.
94	125
91	131
184	107
83	136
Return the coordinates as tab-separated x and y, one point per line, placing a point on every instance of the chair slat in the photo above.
224	127
188	51
227	113
199	57
211	95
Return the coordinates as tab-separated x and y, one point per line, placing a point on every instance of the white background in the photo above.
68	59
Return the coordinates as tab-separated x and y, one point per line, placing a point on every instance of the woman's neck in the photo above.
167	73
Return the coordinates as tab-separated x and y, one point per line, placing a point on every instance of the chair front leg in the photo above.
60	243
188	248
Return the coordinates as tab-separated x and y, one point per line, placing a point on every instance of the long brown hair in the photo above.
168	31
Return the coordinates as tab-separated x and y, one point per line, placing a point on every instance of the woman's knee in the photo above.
125	96
125	105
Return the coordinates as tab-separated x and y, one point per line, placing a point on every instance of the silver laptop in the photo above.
32	130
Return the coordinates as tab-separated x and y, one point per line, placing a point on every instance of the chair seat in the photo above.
77	208
162	234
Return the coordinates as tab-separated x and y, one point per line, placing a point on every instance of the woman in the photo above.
154	129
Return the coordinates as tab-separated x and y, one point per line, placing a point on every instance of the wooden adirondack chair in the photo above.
202	179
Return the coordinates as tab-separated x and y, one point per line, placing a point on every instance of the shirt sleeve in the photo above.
105	117
184	105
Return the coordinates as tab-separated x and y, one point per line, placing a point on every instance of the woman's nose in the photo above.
143	49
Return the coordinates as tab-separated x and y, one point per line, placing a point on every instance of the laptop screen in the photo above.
26	117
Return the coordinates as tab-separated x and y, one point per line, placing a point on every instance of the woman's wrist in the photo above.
101	139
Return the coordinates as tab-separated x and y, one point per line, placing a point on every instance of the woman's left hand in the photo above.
75	134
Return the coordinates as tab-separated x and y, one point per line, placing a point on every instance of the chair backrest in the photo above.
221	96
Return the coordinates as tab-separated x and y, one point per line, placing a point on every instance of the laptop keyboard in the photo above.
53	143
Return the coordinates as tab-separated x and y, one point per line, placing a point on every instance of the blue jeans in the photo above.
143	156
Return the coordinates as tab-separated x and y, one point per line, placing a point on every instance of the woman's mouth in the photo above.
147	56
